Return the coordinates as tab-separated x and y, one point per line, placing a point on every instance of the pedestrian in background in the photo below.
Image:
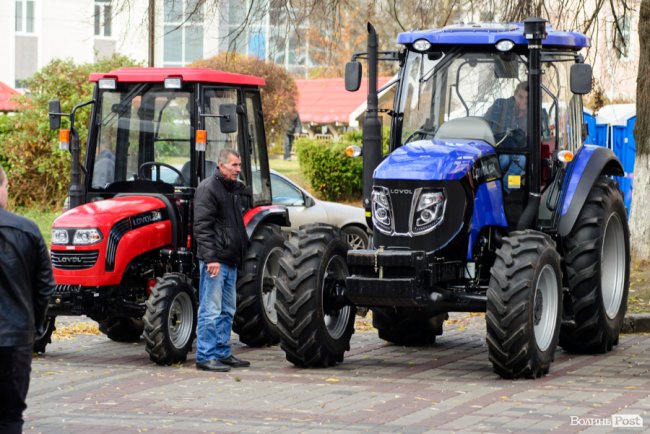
26	284
222	242
294	127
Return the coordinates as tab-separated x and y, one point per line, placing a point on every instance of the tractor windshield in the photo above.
139	126
438	87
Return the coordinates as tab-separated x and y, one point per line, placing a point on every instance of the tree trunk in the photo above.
640	213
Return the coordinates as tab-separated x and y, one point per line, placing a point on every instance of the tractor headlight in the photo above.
382	214
429	211
86	236
60	236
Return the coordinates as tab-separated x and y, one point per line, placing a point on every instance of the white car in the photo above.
306	209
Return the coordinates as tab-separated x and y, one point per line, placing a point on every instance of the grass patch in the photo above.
290	169
43	218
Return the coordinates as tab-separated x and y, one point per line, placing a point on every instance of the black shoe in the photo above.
235	362
212	365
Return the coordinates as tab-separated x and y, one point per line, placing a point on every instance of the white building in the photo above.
33	32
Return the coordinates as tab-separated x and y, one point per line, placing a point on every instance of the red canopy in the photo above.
325	101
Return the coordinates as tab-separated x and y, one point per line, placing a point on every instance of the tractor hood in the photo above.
436	160
103	214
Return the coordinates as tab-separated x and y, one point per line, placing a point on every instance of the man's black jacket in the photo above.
218	222
26	281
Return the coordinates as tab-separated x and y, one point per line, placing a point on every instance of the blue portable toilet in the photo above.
597	132
621	119
624	147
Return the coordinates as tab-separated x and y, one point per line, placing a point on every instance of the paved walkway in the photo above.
91	384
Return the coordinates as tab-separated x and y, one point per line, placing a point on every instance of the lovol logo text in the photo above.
401	191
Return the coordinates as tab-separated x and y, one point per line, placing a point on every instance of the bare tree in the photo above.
640	218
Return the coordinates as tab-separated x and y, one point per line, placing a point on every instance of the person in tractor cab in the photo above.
222	242
26	285
507	118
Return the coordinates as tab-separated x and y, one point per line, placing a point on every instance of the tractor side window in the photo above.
257	141
103	172
216	140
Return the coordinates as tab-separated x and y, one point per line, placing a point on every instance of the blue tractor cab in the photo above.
487	201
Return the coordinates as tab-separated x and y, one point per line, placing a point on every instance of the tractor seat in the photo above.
210	167
468	128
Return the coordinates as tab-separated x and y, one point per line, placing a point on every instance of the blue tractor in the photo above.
487	201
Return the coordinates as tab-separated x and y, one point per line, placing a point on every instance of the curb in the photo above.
636	323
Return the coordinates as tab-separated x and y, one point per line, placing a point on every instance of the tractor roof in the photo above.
158	75
490	34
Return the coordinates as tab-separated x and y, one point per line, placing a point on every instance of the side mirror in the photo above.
581	77
352	76
55	114
228	118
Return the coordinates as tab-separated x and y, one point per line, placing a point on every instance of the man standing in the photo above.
295	126
222	242
26	284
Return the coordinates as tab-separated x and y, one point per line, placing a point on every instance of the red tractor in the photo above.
124	253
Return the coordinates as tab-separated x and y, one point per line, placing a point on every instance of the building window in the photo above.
266	29
103	18
183	27
25	16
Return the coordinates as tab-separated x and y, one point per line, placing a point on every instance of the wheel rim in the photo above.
545	307
179	321
355	241
612	266
336	321
271	268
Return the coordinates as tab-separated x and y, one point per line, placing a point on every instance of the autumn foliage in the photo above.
279	95
38	172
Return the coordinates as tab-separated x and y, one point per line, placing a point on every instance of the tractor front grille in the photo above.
74	260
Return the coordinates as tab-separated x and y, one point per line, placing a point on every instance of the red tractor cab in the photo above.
124	253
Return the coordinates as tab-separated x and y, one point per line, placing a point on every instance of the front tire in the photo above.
122	329
598	271
315	325
524	305
170	319
256	318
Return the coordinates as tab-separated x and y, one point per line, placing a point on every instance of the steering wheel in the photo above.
158	165
513	138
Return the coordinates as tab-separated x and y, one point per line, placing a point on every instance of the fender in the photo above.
590	162
277	214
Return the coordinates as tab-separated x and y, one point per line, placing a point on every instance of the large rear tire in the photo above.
401	328
170	319
122	329
315	326
524	305
41	341
598	271
256	319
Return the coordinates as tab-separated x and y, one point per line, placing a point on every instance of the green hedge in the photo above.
332	174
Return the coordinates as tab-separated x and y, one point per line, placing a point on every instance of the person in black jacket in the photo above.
26	284
222	241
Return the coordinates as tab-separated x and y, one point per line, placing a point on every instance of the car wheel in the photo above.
356	237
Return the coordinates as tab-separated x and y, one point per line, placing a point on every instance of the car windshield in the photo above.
140	125
438	87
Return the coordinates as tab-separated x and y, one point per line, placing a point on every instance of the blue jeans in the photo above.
217	305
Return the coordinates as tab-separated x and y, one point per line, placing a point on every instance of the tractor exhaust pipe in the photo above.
371	137
535	33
